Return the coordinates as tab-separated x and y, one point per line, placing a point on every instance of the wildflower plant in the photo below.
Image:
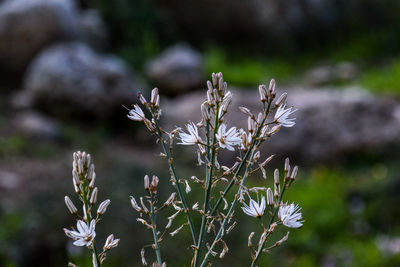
211	135
83	180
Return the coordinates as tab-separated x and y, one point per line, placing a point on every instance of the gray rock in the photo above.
27	26
320	75
70	79
329	123
177	69
36	125
93	29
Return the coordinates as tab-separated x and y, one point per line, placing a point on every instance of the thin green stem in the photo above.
260	249
254	143
154	229
207	193
89	218
252	150
176	181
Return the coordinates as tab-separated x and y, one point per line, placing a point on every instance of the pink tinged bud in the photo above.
170	199
146	180
259	118
265	162
75	177
281	99
91	184
249	240
294	173
141	98
287	165
274	130
91	173
110	243
103	207
135	205
154	94
256	156
246	111
154	184
93	197
276	176
263	92
209	86
145	209
250	124
272	85
70	205
282	240
270	197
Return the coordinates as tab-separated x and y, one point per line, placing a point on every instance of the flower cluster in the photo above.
209	136
83	179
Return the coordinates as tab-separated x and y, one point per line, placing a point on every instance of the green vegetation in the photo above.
385	79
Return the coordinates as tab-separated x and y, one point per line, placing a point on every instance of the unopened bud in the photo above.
91	172
282	240
270	197
281	99
246	111
170	199
210	86
262	89
75	177
256	156
274	130
135	205
91	184
141	98
146	182
110	242
249	240
250	124
154	184
103	207
265	162
204	112
272	227
93	197
287	165
271	89
294	173
154	94
70	205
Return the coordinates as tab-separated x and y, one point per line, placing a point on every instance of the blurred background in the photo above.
66	66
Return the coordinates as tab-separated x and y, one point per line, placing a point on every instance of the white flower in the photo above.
192	137
228	139
282	115
85	234
254	209
290	215
136	113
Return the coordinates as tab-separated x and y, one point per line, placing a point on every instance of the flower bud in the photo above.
263	92
141	98
103	207
281	99
271	89
93	197
246	111
146	180
249	240
204	112
91	184
270	197
70	205
170	199
110	243
135	205
294	173
154	94
154	184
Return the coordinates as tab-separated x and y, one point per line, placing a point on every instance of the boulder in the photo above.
70	79
35	125
93	29
177	69
27	26
329	123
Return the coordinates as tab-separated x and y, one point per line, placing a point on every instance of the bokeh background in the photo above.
66	67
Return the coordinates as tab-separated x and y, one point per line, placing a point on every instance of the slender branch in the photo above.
260	249
227	217
254	143
175	178
207	193
154	229
252	150
89	218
